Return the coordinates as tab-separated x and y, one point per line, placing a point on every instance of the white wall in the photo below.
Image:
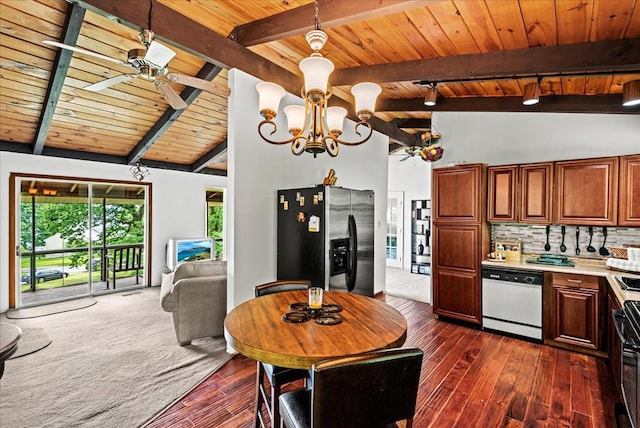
179	204
505	138
413	177
258	169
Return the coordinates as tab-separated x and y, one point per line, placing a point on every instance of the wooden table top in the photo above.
255	329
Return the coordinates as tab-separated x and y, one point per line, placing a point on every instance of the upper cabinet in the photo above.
629	196
520	193
587	192
458	192
503	194
536	187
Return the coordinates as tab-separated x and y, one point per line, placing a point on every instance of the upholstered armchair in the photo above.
196	294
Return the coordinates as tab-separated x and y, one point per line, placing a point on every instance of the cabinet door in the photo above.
576	316
456	273
629	210
502	201
536	186
459	192
587	192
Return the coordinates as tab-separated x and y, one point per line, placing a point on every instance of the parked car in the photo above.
45	275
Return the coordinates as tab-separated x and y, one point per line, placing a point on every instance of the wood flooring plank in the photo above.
470	378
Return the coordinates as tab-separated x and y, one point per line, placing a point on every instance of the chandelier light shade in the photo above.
631	93
315	127
531	94
431	96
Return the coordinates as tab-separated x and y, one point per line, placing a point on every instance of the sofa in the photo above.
196	295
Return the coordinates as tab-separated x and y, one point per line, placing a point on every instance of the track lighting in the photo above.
631	93
531	94
431	96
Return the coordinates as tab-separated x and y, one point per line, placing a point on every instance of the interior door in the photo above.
394	241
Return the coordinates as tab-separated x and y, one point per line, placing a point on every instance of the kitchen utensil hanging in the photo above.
603	249
591	248
563	247
547	246
577	240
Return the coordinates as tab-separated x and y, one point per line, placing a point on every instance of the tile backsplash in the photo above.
533	238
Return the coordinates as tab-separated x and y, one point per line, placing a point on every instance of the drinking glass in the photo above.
315	298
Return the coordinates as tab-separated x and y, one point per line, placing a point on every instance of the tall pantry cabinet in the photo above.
460	240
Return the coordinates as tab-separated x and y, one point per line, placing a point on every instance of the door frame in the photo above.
399	260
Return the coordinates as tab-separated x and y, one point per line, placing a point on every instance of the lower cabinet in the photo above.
614	344
573	312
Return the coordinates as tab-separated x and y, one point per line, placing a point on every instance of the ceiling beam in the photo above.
605	104
8	146
209	157
204	43
332	13
412	123
189	94
615	56
70	32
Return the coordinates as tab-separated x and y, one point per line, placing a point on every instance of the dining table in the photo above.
278	328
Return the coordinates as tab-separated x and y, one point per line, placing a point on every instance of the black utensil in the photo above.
563	247
591	248
603	250
547	247
577	240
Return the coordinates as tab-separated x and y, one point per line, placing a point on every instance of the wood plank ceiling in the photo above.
479	53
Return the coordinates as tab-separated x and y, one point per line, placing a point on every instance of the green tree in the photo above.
214	227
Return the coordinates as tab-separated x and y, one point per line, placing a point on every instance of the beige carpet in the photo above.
53	308
32	340
114	364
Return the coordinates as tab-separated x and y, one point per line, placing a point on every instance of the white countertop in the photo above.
582	267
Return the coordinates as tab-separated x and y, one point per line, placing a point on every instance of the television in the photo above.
182	250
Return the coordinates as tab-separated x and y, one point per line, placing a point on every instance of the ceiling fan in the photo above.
428	150
150	64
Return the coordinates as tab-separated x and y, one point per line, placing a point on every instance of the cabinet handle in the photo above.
577	281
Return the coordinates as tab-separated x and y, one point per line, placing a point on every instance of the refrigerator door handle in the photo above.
352	267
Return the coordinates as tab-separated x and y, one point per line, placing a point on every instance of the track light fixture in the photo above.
631	93
531	94
431	95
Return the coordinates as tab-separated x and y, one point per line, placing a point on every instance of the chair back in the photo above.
368	390
280	286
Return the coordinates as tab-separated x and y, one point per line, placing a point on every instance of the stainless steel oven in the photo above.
627	323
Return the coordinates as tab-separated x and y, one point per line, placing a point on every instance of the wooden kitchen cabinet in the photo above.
613	340
586	192
503	194
459	193
460	239
536	189
573	312
629	196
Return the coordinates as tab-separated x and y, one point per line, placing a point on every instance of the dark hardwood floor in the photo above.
470	378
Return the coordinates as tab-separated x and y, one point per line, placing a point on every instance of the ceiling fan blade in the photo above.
159	54
405	158
85	52
170	95
104	84
195	82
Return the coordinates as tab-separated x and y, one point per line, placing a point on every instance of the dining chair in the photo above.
371	390
276	376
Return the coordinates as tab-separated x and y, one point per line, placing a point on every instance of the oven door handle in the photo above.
618	316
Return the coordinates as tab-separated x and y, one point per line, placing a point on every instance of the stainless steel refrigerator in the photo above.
325	235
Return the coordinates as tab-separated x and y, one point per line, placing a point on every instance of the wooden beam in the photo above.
188	35
8	146
70	32
206	159
204	43
605	104
412	123
332	13
615	56
208	72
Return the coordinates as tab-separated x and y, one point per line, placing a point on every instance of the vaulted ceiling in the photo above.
479	53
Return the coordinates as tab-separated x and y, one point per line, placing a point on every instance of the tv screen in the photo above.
182	250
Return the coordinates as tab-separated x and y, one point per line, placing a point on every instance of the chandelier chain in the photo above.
316	15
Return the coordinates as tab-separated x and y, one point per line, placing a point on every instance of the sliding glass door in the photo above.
78	238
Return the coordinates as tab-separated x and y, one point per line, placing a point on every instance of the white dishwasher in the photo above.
512	301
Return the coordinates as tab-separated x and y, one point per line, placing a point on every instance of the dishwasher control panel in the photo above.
520	276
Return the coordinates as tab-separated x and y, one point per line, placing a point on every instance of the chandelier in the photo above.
316	127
